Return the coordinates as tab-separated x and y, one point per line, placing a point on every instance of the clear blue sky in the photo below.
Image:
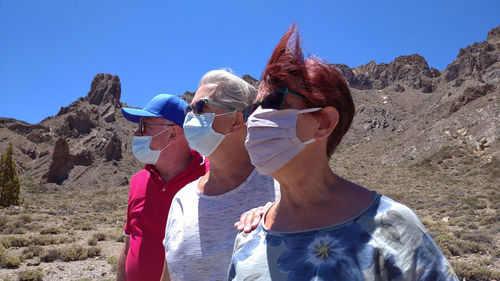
51	50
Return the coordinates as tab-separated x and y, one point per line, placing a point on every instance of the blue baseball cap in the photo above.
166	106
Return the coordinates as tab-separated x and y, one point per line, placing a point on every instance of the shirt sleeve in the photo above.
172	214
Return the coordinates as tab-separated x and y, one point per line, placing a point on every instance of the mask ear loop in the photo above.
309	110
162	131
226	113
169	142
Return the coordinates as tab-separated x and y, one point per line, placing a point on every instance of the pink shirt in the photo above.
148	205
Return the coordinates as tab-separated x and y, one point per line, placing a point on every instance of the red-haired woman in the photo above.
323	227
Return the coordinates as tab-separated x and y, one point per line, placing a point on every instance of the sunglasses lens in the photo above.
249	110
198	106
273	100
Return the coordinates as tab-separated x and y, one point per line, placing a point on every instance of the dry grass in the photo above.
454	192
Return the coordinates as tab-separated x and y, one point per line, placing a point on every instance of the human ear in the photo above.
328	119
175	131
238	122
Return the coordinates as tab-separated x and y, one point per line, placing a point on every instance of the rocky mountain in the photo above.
87	144
417	111
406	113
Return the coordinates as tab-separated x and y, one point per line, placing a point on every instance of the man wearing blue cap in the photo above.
159	143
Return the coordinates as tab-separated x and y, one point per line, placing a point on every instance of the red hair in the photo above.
321	83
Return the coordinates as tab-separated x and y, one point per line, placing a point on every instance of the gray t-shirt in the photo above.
199	235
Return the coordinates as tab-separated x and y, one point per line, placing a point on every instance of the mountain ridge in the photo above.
405	108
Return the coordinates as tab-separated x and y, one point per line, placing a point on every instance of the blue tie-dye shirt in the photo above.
384	242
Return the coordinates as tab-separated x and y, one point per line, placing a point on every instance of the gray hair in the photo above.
231	89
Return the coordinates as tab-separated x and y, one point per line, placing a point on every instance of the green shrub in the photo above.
113	261
10	184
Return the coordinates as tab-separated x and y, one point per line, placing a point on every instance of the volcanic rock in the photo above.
105	88
113	149
494	36
250	80
470	94
61	163
83	158
476	57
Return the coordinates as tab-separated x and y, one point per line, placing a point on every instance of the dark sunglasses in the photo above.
197	107
274	100
143	125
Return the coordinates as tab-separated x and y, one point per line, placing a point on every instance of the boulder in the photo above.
113	149
470	94
79	122
83	158
61	163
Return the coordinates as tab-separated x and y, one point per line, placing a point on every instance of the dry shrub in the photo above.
469	271
8	261
3	221
452	246
51	230
31	275
475	202
73	253
15	241
92	241
51	255
113	261
100	236
43	240
93	252
25	218
33	251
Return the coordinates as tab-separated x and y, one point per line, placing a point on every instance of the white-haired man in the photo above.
199	235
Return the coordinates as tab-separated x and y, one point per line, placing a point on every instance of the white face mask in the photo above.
200	134
142	151
272	138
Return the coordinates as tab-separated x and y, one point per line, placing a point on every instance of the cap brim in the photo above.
135	115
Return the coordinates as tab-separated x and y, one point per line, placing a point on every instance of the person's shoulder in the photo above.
142	175
188	191
138	183
390	207
251	239
392	219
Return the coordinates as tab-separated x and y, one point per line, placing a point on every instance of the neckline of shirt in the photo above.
375	199
229	193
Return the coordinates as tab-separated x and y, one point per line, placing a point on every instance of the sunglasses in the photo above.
274	100
143	125
197	107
